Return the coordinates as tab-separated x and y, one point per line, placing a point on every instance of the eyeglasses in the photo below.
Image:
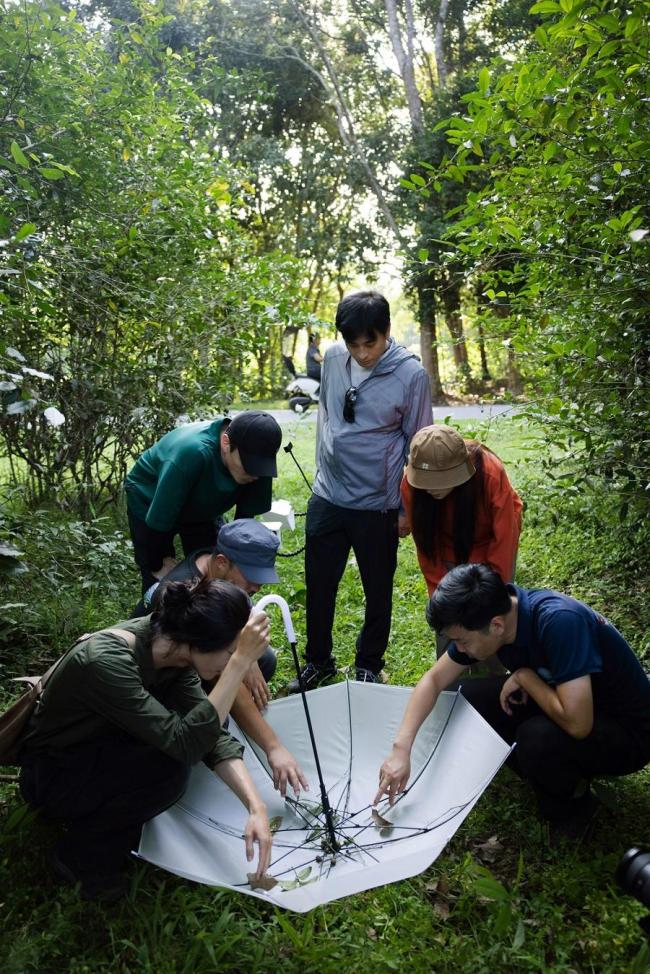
349	403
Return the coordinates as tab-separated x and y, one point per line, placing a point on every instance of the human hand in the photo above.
394	774
512	694
254	637
403	528
258	831
257	686
286	770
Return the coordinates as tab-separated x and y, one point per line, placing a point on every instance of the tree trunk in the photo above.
429	341
438	43
481	305
485	371
513	375
454	322
405	59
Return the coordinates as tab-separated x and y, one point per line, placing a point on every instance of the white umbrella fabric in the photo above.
455	756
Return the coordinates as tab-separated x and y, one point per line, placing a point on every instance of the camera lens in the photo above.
633	874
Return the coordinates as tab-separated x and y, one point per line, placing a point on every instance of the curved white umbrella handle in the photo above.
286	615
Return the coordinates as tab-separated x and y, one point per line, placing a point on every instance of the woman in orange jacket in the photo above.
459	504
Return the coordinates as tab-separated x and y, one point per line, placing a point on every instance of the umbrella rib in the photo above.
421	771
348	786
433	750
254	751
450	813
445	816
217	826
361	849
418	776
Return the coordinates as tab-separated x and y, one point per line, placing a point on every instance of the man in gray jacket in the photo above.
374	396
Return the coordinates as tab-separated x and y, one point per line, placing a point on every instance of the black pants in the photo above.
548	757
151	547
331	532
106	790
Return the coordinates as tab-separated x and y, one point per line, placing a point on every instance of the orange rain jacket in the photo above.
497	531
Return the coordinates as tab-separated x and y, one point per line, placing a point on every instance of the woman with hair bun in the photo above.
123	718
459	504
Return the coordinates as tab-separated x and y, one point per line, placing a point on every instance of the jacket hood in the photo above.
394	356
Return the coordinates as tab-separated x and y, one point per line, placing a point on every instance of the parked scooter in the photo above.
302	392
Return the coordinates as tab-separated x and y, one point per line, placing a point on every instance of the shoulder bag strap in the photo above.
128	637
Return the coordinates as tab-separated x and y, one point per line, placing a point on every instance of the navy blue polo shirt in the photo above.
562	639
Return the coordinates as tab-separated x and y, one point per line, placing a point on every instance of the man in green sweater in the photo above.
191	476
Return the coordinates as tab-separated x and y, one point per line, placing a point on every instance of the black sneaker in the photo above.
313	675
366	676
103	887
578	821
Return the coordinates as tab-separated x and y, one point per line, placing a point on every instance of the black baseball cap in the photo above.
258	437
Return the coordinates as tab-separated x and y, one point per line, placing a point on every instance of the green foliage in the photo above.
515	903
126	270
78	573
556	234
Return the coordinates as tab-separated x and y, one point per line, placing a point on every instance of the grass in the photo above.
517	903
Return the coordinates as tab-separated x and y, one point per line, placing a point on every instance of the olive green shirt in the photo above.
102	684
182	480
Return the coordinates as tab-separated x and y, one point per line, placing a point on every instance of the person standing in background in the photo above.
313	359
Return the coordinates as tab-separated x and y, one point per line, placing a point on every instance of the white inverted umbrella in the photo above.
330	842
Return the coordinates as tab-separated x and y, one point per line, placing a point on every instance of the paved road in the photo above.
485	412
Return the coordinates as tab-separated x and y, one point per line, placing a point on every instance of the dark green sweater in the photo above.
182	480
102	684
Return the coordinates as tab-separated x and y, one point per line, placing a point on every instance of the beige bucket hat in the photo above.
438	459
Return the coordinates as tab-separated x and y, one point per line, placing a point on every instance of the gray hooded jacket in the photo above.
360	464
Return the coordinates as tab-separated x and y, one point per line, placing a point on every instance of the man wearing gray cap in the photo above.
244	555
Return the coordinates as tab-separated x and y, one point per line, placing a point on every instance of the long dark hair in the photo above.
428	514
207	613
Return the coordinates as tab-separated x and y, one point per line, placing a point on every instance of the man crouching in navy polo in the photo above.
576	702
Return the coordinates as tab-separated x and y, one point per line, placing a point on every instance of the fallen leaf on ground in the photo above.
264	882
380	822
489	850
385	827
442	909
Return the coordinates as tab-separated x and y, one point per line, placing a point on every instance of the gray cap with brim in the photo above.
251	546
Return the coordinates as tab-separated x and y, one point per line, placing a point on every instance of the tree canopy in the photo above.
184	184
